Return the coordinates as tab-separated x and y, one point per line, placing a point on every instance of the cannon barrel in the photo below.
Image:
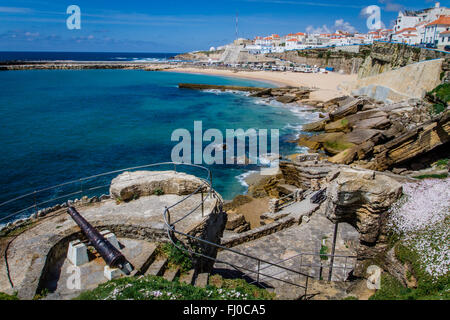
113	257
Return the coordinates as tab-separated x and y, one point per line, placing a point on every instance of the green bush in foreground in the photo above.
157	288
4	296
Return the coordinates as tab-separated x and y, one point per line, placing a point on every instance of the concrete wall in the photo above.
412	81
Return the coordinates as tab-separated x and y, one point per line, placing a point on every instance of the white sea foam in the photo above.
241	178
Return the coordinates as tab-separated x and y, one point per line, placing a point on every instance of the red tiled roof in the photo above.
405	30
441	20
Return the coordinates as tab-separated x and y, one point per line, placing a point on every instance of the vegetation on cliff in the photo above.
440	96
4	296
420	226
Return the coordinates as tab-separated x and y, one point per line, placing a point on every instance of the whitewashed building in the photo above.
434	29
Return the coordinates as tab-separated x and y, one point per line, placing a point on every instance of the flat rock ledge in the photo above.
133	185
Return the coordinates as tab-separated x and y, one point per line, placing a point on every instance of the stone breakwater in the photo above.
283	95
83	66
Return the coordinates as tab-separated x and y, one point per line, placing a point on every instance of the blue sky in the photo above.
175	25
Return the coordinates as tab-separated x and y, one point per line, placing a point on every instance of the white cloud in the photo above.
15	10
339	24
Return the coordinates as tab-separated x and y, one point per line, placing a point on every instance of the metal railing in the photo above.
244	270
29	203
86	186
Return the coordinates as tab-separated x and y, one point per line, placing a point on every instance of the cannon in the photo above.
113	257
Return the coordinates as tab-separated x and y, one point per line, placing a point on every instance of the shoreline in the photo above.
326	85
278	79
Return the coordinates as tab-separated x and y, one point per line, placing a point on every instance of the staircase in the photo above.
158	266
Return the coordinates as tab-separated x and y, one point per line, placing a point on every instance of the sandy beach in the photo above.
326	84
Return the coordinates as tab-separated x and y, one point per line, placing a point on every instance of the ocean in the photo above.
84	56
61	125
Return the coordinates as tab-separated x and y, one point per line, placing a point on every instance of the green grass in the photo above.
438	108
4	296
157	288
323	252
432	176
441	163
177	257
441	95
442	92
428	288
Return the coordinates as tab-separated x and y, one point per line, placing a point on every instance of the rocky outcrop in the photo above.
133	185
416	142
362	198
377	136
338	58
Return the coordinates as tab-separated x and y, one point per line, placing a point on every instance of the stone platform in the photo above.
31	253
60	278
284	248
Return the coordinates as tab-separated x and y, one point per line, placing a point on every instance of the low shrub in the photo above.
157	288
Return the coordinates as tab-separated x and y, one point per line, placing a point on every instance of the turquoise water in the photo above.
56	126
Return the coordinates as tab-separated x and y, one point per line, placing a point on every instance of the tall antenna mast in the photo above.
237	24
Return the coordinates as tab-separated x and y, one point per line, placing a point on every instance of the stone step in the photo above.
202	280
141	265
171	274
157	268
188	277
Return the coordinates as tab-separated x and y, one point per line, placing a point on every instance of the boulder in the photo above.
364	115
373	123
359	136
132	185
286	98
348	109
341	125
363	198
315	126
234	221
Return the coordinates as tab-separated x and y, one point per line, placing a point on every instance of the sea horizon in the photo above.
85	56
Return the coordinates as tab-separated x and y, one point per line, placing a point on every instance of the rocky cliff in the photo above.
348	62
389	56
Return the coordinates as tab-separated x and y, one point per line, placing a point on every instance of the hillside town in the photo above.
428	28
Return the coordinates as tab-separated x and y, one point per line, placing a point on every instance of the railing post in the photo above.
345	268
320	270
306	285
333	250
203	206
301	263
259	267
